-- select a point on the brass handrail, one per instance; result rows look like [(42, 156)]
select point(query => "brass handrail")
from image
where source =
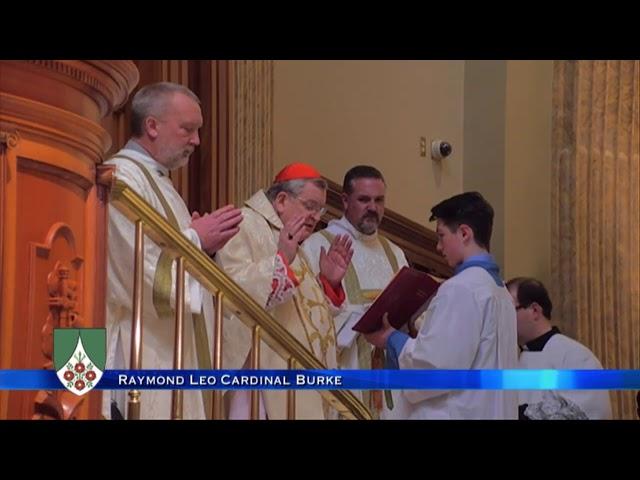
[(215, 280)]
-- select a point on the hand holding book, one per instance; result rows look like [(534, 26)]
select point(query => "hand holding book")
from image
[(404, 299)]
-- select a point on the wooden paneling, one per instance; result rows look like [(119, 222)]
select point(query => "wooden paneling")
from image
[(52, 238)]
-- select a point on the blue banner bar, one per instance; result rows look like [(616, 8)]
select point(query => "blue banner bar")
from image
[(337, 380)]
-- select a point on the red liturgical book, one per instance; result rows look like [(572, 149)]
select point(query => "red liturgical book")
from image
[(405, 297)]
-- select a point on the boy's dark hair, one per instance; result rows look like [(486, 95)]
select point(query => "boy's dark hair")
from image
[(469, 208), (530, 290), (360, 171)]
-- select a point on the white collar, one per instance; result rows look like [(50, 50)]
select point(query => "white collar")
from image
[(344, 224), (146, 158)]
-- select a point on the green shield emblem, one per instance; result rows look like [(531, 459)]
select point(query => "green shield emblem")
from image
[(79, 357)]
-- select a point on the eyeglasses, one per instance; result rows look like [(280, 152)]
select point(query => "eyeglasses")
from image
[(311, 206)]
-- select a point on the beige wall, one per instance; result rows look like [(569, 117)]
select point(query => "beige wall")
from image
[(527, 246), (496, 114), (337, 114), (484, 140), (507, 141)]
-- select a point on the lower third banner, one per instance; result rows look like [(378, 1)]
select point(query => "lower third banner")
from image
[(323, 380)]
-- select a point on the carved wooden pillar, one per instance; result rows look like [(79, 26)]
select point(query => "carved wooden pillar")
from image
[(595, 208), (52, 215), (251, 123)]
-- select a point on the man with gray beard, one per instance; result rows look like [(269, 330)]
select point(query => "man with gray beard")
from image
[(165, 123)]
